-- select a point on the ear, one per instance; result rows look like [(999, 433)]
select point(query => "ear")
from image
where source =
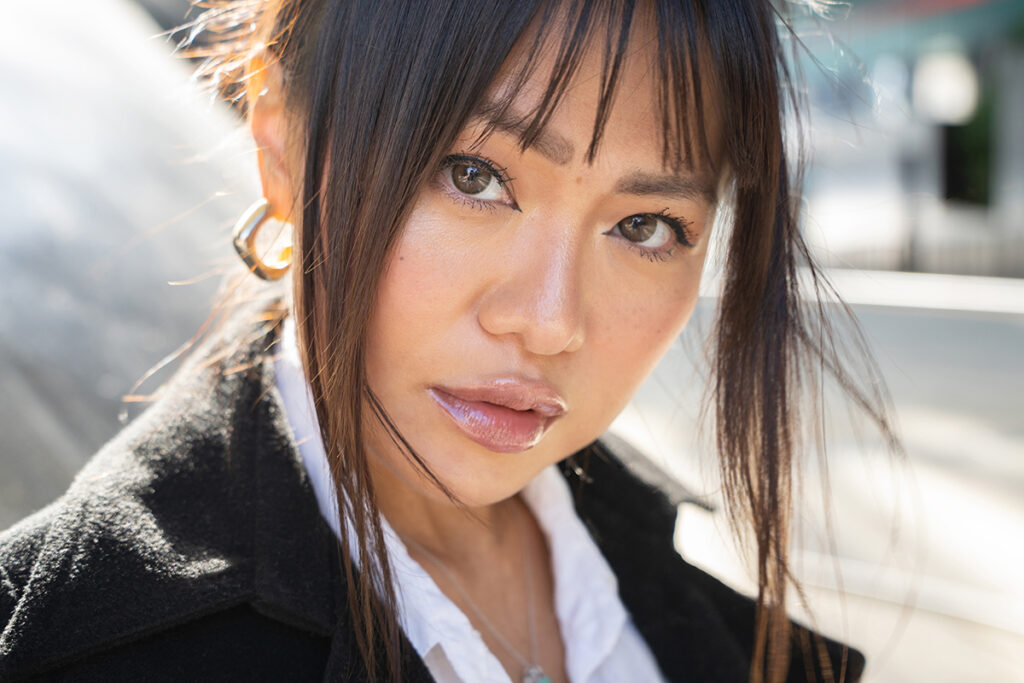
[(268, 120)]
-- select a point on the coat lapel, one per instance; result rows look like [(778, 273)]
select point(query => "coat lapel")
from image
[(632, 522)]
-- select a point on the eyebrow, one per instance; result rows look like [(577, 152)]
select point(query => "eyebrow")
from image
[(644, 184), (553, 146), (559, 150)]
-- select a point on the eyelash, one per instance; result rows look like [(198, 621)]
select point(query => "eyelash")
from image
[(679, 227), (677, 224), (500, 174)]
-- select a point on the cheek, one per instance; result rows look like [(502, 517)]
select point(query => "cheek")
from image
[(633, 328), (426, 299), (424, 288)]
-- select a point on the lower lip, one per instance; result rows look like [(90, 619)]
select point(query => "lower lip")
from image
[(494, 427)]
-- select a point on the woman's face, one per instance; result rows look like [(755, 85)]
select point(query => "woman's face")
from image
[(532, 292)]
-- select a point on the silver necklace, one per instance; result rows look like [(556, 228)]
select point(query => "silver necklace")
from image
[(532, 672)]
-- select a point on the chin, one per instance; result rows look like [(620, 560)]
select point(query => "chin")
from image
[(476, 477)]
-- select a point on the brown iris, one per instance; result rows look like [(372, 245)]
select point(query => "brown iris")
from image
[(638, 228), (470, 178)]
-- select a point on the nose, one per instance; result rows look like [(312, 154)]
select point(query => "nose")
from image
[(537, 296)]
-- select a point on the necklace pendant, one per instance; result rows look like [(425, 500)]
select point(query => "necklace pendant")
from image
[(535, 674)]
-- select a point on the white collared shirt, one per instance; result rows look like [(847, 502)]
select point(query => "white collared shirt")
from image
[(602, 644)]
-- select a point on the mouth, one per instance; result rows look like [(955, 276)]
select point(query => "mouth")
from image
[(505, 416)]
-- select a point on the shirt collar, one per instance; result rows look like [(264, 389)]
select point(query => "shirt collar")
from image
[(587, 602)]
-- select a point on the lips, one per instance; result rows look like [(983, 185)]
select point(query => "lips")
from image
[(505, 416)]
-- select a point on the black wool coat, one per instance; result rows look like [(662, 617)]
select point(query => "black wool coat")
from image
[(191, 548)]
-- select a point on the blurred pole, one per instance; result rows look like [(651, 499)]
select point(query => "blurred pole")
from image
[(1008, 186), (945, 91), (920, 171), (910, 172)]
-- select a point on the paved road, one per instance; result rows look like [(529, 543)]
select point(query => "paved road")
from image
[(930, 547)]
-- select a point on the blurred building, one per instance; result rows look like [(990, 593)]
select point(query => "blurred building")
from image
[(917, 128)]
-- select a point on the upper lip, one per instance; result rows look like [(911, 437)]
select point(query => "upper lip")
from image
[(517, 393)]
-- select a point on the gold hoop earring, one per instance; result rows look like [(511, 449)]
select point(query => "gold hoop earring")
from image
[(245, 233)]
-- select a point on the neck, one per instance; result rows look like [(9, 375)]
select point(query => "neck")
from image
[(464, 538)]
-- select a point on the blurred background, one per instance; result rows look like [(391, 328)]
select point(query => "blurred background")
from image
[(120, 183)]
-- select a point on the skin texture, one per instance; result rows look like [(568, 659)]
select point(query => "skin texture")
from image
[(533, 281), (546, 291)]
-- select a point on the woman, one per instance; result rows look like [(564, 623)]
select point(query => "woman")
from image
[(500, 213)]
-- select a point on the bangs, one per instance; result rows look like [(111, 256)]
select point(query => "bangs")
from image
[(674, 33)]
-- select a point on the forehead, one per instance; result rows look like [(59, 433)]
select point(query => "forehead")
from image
[(612, 93)]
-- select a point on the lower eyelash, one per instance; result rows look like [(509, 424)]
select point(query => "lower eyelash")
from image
[(655, 256), (466, 200)]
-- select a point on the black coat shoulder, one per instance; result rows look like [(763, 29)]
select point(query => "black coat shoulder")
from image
[(188, 540)]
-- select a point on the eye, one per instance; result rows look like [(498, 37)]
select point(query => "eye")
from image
[(653, 233), (476, 181)]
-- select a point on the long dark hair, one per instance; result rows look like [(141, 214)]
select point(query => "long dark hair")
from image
[(383, 88)]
